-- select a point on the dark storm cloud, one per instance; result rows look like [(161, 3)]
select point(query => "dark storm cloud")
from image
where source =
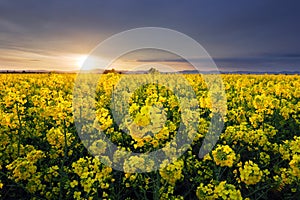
[(237, 34)]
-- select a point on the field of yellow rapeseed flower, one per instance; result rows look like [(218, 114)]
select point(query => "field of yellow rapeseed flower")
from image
[(257, 155)]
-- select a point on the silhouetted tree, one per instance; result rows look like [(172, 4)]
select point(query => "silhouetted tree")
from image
[(110, 71), (153, 71)]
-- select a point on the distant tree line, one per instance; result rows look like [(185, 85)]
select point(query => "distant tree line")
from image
[(111, 71)]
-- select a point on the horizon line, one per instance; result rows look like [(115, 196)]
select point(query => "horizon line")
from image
[(20, 71)]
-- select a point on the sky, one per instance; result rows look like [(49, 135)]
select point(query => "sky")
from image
[(257, 35)]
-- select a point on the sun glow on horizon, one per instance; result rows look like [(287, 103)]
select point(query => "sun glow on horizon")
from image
[(81, 59)]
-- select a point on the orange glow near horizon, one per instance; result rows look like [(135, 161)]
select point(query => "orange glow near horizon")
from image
[(18, 60)]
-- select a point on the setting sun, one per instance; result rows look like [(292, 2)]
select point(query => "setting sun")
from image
[(81, 59)]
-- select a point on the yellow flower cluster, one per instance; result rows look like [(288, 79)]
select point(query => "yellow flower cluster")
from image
[(264, 158), (223, 190), (92, 174), (24, 168), (250, 173), (224, 156), (98, 147), (58, 141), (295, 165), (104, 118), (172, 172), (137, 164), (246, 135), (290, 148)]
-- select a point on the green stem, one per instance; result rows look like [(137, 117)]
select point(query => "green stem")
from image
[(256, 190), (19, 130), (157, 187), (62, 173)]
